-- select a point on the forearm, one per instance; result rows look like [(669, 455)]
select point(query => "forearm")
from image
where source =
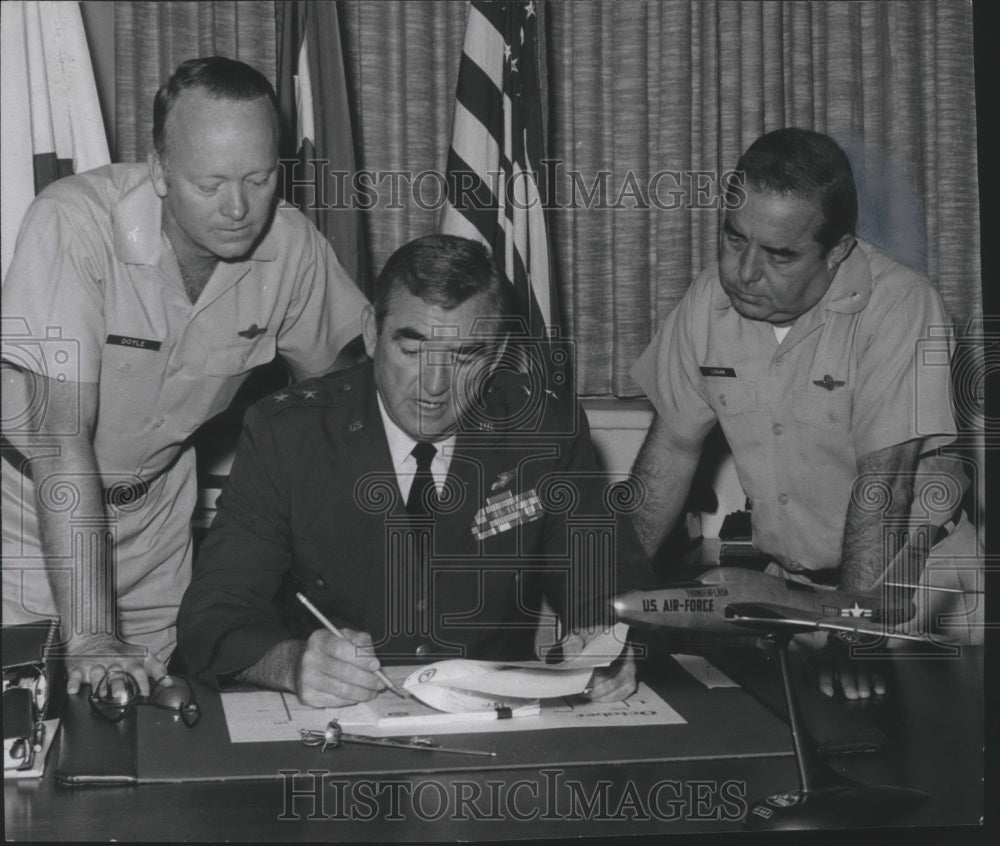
[(57, 440), (665, 467), (277, 669), (85, 602), (880, 505)]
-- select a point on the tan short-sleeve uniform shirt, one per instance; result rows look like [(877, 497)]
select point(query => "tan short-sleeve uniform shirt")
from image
[(94, 294), (852, 376)]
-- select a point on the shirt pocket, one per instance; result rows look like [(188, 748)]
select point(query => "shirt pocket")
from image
[(826, 410), (240, 357), (729, 397), (121, 362)]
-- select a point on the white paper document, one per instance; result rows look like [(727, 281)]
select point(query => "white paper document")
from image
[(260, 716)]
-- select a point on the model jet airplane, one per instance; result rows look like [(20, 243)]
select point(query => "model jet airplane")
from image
[(721, 600), (724, 597)]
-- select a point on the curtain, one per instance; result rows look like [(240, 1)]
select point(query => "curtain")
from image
[(402, 65), (152, 39), (650, 103)]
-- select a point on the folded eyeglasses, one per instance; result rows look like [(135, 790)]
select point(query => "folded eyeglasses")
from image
[(117, 693)]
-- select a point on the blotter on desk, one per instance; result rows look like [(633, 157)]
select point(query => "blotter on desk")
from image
[(720, 723)]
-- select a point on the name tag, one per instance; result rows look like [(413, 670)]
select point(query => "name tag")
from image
[(137, 343), (505, 511), (718, 371)]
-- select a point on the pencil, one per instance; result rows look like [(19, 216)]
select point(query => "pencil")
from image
[(330, 627)]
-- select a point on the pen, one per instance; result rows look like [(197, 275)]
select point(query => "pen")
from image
[(330, 627), (425, 720)]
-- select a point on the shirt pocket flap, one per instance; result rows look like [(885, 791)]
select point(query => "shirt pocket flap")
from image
[(823, 410), (730, 396), (129, 362), (239, 357)]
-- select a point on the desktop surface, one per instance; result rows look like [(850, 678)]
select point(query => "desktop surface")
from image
[(930, 726)]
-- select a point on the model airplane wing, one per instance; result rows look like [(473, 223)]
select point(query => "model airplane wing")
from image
[(763, 615)]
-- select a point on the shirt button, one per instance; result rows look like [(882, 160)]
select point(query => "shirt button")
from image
[(777, 428), (175, 369), (423, 649), (783, 498), (346, 387), (780, 360), (722, 399), (158, 423), (320, 584)]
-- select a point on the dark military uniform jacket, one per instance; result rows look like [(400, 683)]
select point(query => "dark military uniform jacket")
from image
[(312, 505)]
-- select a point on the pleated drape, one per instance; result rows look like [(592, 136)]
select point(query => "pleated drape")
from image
[(151, 39), (402, 63), (649, 103), (643, 91)]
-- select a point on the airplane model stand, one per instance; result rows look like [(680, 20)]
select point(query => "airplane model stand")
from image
[(825, 798)]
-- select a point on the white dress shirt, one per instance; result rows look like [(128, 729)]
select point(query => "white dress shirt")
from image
[(401, 448)]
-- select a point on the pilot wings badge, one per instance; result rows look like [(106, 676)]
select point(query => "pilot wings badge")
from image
[(828, 382)]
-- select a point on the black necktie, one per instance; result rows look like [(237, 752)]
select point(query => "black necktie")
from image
[(422, 491)]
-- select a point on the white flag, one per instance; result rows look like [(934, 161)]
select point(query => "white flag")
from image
[(52, 122)]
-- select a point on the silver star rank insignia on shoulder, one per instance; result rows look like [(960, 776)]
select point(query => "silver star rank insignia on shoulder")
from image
[(828, 382)]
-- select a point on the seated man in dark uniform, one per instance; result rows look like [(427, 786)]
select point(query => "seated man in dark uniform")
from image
[(430, 503)]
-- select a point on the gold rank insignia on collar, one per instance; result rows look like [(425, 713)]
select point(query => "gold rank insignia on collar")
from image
[(828, 382)]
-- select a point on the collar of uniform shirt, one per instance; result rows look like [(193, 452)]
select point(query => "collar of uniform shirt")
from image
[(400, 448)]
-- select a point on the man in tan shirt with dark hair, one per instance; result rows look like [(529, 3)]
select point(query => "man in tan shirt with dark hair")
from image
[(805, 344)]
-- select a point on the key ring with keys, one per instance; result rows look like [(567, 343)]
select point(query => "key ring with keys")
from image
[(333, 736)]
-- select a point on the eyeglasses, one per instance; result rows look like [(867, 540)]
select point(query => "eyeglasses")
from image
[(117, 692)]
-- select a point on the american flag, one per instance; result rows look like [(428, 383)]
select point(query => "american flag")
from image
[(496, 148)]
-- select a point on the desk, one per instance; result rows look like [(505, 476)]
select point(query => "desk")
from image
[(932, 719)]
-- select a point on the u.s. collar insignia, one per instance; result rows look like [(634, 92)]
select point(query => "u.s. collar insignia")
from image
[(828, 382), (503, 480), (356, 425)]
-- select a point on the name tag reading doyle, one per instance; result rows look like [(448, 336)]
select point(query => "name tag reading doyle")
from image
[(136, 343)]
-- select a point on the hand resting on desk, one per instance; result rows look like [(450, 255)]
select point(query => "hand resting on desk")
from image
[(612, 683), (615, 682), (831, 660), (84, 668)]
